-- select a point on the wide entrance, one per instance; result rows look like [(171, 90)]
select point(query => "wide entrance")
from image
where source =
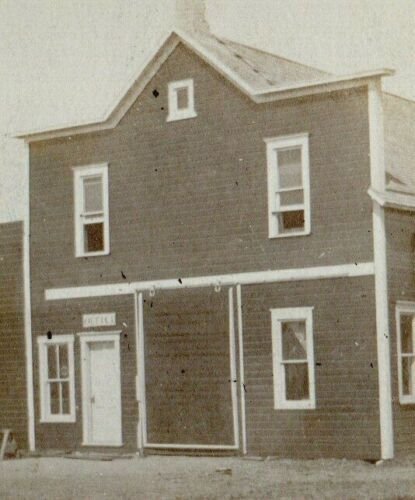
[(101, 390), (190, 370)]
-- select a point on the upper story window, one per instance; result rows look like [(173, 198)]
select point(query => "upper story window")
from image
[(181, 100), (288, 186), (91, 210), (405, 329), (57, 379), (293, 358)]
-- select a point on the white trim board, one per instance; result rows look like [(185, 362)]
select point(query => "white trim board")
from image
[(251, 278), (378, 178), (390, 199)]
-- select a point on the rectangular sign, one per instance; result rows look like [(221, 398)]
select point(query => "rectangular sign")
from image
[(94, 320)]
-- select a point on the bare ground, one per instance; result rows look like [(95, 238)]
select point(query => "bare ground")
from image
[(217, 478)]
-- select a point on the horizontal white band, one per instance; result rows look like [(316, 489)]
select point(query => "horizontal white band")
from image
[(252, 278)]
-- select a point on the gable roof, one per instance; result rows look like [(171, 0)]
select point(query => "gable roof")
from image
[(260, 75)]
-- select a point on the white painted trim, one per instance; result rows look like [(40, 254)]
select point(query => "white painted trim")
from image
[(136, 298), (165, 47), (241, 369), (233, 370), (378, 179), (252, 278), (85, 339), (142, 371), (80, 173), (28, 339), (192, 446), (175, 113), (401, 309), (389, 199), (277, 317), (273, 145), (45, 415)]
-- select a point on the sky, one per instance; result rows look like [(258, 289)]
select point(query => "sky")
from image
[(64, 61)]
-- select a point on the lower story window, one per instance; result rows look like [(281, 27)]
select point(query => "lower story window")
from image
[(405, 327), (293, 358), (56, 376)]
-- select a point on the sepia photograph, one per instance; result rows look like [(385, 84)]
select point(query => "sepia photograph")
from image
[(207, 249)]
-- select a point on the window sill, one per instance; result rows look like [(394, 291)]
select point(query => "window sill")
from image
[(62, 420), (289, 235), (406, 402), (184, 116), (93, 254), (296, 405)]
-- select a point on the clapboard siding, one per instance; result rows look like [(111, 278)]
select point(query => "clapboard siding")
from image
[(189, 198), (345, 422), (66, 318), (13, 409), (400, 228)]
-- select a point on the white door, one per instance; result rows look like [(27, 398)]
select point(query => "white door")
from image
[(101, 390)]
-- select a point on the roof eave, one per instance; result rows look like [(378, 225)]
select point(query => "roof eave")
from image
[(389, 199), (125, 99)]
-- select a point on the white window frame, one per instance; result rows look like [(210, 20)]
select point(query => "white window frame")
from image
[(175, 113), (45, 413), (404, 308), (273, 144), (81, 173), (277, 317)]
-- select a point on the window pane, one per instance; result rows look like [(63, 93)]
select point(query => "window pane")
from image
[(289, 168), (292, 198), (291, 221), (406, 334), (296, 381), (182, 98), (408, 375), (65, 398), (63, 361), (94, 237), (294, 340), (93, 194), (54, 398), (52, 361)]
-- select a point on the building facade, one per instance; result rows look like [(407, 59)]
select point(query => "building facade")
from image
[(209, 271)]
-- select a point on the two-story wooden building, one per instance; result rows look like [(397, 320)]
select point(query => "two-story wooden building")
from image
[(217, 263)]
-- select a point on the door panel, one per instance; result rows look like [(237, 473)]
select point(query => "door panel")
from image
[(188, 388), (102, 397)]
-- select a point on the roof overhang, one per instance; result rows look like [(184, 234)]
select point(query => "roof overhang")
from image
[(151, 65), (392, 199)]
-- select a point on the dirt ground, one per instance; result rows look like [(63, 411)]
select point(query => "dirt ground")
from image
[(220, 478)]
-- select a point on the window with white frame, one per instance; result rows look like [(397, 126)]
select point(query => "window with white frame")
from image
[(405, 328), (288, 186), (56, 377), (181, 100), (91, 210), (293, 358)]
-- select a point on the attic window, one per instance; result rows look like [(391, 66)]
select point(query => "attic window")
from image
[(181, 100)]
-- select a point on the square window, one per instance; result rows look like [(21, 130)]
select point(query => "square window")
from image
[(91, 210), (405, 328), (288, 186), (57, 379), (181, 100), (293, 358)]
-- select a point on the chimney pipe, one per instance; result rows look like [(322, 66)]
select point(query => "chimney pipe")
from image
[(191, 15)]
